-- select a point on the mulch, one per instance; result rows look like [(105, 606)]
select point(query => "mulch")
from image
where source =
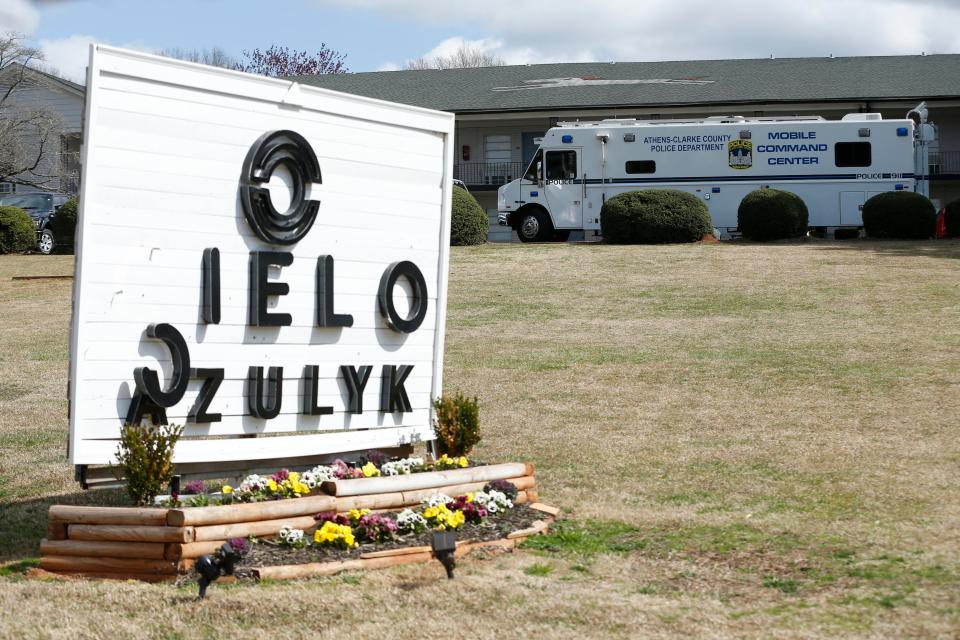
[(265, 553)]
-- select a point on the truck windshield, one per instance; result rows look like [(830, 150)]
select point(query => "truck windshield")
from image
[(531, 173), (28, 202)]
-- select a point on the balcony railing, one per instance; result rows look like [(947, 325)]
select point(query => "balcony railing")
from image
[(487, 174), (944, 163)]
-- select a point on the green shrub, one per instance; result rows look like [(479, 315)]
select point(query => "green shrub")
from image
[(468, 221), (64, 223), (18, 233), (145, 459), (654, 216), (771, 214), (952, 219), (899, 214), (457, 424)]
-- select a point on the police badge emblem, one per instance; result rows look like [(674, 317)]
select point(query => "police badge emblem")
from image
[(740, 154)]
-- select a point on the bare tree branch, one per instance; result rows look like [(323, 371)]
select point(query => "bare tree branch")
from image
[(465, 57), (214, 56), (28, 133)]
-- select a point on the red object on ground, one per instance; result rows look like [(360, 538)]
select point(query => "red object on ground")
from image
[(941, 224)]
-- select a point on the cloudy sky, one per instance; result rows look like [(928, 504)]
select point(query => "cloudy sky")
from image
[(384, 34)]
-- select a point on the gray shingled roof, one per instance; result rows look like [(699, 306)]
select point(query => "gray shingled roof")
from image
[(680, 83)]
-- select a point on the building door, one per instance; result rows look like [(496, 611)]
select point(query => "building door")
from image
[(564, 188), (529, 145)]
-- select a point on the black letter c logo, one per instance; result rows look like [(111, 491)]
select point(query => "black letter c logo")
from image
[(270, 151)]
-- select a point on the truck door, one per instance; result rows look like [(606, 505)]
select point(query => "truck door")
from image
[(851, 207), (564, 188)]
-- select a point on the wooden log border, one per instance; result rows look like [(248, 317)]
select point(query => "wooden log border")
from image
[(427, 480)]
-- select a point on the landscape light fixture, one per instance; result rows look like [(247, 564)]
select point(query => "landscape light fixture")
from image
[(209, 568), (444, 546)]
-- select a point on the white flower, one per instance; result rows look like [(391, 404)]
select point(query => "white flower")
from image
[(252, 483), (400, 467), (410, 520), (493, 501), (436, 500), (290, 536)]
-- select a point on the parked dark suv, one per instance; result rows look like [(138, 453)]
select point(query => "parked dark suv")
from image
[(41, 207)]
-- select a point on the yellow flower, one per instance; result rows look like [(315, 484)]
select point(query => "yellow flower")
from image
[(431, 512), (469, 497), (272, 485), (370, 470), (356, 514), (226, 489), (293, 477), (463, 461)]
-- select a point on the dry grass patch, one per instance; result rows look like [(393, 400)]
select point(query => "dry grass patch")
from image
[(751, 440)]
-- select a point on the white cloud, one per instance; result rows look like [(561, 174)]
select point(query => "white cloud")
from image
[(573, 30), (19, 16), (68, 57), (389, 66)]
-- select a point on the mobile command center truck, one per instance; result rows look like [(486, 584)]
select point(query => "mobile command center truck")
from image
[(834, 166)]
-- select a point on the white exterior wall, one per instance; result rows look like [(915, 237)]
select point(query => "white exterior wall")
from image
[(34, 92)]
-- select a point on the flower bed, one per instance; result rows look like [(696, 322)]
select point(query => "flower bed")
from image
[(362, 539), (277, 560), (148, 543)]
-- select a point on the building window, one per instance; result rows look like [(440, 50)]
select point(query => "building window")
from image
[(641, 166), (7, 187), (496, 149), (70, 163), (852, 154), (561, 165)]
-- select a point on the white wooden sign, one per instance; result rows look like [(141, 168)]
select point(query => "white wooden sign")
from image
[(255, 258)]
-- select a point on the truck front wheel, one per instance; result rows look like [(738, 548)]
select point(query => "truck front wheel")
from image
[(45, 242), (534, 226)]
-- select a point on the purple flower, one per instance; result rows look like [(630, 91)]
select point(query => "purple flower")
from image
[(240, 546), (280, 476), (376, 457), (331, 516), (503, 486), (194, 487), (375, 527)]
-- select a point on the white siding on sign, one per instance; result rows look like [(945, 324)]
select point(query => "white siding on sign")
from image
[(163, 157)]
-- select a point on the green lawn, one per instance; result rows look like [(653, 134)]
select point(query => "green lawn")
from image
[(749, 440)]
